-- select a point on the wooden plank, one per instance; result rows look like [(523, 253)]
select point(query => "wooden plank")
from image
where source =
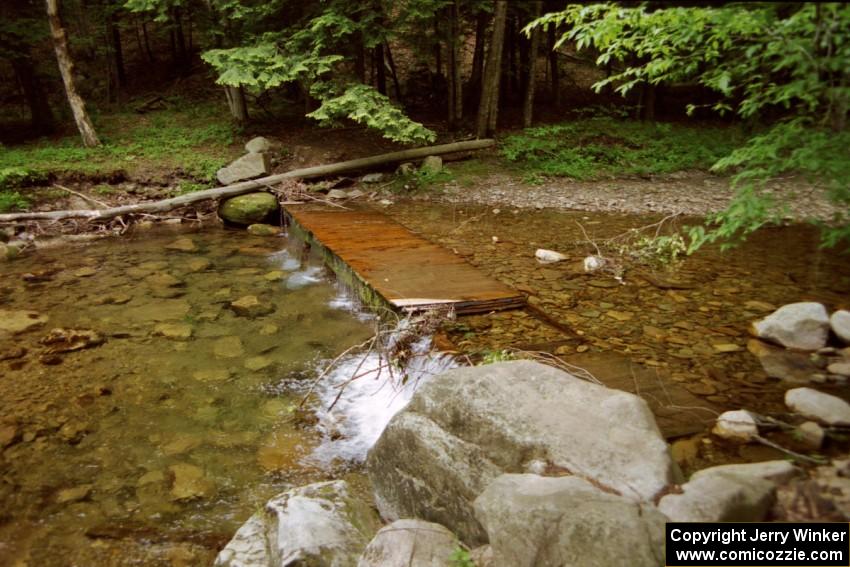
[(406, 270)]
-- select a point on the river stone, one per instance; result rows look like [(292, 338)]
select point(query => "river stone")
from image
[(810, 434), (257, 145), (410, 543), (248, 209), (318, 525), (198, 264), (775, 471), (533, 520), (465, 427), (373, 177), (260, 229), (184, 244), (75, 494), (13, 322), (176, 331), (801, 326), (783, 364), (842, 368), (251, 306), (720, 497), (66, 340), (432, 164), (736, 425), (840, 323), (821, 407), (228, 347), (189, 482), (247, 167), (549, 256)]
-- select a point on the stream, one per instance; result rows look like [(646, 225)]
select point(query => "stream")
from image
[(181, 417)]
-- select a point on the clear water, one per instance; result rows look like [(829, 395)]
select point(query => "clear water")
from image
[(150, 449)]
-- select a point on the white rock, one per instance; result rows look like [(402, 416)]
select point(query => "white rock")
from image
[(549, 256), (736, 425), (432, 164), (811, 435), (818, 406), (373, 178), (593, 263), (775, 471), (410, 543), (719, 497), (536, 521), (841, 368), (802, 326), (246, 167), (258, 145), (840, 323)]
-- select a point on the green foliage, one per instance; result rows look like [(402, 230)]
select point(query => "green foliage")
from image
[(365, 105), (661, 250), (12, 177), (460, 558), (598, 147), (493, 356), (12, 201), (760, 59), (196, 142)]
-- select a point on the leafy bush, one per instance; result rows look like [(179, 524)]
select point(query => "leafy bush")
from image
[(14, 177), (11, 201), (598, 147)]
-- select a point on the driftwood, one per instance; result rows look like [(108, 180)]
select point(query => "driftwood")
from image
[(249, 186)]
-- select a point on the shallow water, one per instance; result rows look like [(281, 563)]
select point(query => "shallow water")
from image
[(152, 449)]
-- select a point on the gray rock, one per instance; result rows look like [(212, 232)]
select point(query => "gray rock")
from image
[(802, 326), (842, 368), (467, 426), (840, 323), (13, 322), (320, 525), (549, 256), (258, 145), (736, 425), (784, 364), (406, 168), (373, 178), (249, 209), (410, 543), (818, 406), (775, 471), (720, 497), (811, 435), (432, 164), (248, 166), (547, 521), (337, 194)]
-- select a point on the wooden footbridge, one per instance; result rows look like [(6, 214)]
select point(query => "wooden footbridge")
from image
[(406, 270)]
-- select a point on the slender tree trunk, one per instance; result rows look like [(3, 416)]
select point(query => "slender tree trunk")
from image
[(66, 68), (554, 76), (183, 62), (359, 58), (380, 68), (237, 104), (117, 51), (455, 88), (488, 110), (151, 58), (438, 48), (393, 72), (41, 117), (474, 88), (531, 80)]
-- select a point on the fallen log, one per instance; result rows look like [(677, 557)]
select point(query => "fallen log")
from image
[(249, 186)]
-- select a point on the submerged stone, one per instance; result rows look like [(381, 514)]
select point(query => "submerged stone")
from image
[(13, 322)]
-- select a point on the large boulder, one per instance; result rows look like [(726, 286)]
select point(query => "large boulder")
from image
[(802, 326), (410, 543), (467, 426), (549, 521), (249, 209), (720, 498), (248, 166), (320, 525)]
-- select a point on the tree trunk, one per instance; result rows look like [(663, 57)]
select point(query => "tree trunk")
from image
[(183, 62), (438, 48), (117, 52), (380, 69), (41, 117), (474, 89), (237, 104), (393, 72), (554, 76), (531, 80), (488, 110), (151, 58), (455, 88), (359, 58), (66, 68)]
